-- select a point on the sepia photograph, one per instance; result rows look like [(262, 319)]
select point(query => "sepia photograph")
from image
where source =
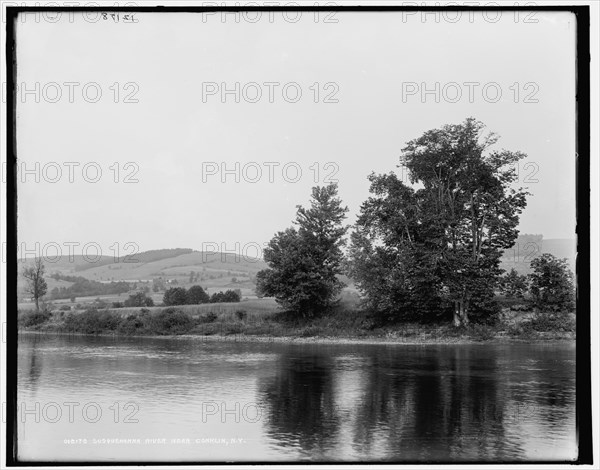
[(299, 233)]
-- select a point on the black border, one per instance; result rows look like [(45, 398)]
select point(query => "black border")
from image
[(583, 343)]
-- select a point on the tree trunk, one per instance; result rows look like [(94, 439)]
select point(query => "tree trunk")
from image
[(37, 304), (456, 314), (464, 315), (461, 316)]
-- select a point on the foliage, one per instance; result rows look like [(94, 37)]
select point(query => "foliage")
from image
[(29, 319), (227, 296), (139, 299), (209, 317), (436, 244), (241, 314), (92, 321), (551, 321), (175, 296), (135, 324), (513, 284), (197, 295), (83, 287), (171, 321), (305, 263), (551, 283)]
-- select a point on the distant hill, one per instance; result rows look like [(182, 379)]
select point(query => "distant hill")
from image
[(181, 267), (530, 246), (144, 257)]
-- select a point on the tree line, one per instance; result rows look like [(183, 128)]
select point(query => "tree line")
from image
[(425, 249), (197, 295), (83, 287)]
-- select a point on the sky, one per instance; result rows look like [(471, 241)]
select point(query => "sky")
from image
[(126, 128)]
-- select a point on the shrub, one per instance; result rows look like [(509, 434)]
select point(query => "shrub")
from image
[(33, 318), (171, 322), (481, 332), (232, 329), (549, 322), (517, 330), (309, 331), (92, 321), (241, 314), (134, 324), (117, 305), (209, 317)]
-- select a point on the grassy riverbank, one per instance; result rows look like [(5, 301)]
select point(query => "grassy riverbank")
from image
[(258, 321)]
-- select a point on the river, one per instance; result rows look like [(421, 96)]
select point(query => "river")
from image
[(154, 399)]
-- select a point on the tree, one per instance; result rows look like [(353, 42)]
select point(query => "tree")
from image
[(197, 295), (139, 299), (158, 284), (175, 296), (514, 284), (551, 283), (227, 296), (36, 284), (304, 263), (439, 240)]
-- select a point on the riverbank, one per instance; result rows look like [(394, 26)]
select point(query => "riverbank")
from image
[(240, 338), (340, 327)]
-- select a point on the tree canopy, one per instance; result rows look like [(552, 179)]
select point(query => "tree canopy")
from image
[(305, 262), (552, 283), (437, 242)]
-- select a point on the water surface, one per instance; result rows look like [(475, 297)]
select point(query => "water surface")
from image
[(106, 399)]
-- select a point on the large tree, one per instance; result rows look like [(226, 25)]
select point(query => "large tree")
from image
[(305, 262), (36, 284), (441, 236)]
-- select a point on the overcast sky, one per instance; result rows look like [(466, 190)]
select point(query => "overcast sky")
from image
[(369, 70)]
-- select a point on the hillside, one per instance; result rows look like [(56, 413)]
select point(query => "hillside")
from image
[(213, 271)]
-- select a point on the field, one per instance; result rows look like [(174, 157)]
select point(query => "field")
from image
[(255, 309)]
